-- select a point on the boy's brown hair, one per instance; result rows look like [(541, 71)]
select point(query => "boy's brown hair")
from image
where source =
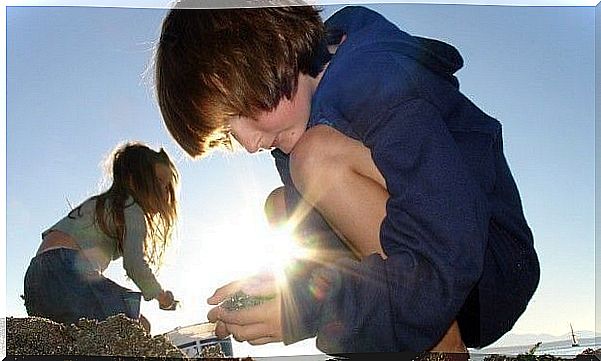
[(211, 64)]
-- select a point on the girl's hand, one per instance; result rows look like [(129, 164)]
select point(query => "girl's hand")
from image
[(166, 300), (258, 324)]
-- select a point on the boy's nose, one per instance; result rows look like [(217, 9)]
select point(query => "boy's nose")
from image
[(251, 145), (250, 142)]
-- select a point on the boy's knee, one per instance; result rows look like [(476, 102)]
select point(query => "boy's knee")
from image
[(314, 158), (275, 207)]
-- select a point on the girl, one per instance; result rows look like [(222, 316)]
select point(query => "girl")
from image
[(134, 218)]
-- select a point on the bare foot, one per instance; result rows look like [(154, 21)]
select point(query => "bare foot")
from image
[(452, 344), (145, 323)]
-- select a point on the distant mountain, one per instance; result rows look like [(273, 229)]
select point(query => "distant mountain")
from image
[(513, 339), (562, 348)]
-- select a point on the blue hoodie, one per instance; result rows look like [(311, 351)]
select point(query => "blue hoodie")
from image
[(457, 243)]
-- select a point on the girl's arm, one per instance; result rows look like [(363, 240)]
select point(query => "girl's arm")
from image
[(134, 262)]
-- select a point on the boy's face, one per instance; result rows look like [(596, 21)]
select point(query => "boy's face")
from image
[(280, 128)]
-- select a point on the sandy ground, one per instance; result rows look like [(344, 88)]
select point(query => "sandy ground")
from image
[(121, 336), (116, 336)]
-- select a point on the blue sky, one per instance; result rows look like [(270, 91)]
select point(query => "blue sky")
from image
[(76, 86)]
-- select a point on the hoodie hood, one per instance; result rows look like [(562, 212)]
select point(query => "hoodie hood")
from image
[(355, 21)]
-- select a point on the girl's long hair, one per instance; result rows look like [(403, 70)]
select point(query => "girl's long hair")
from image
[(134, 174)]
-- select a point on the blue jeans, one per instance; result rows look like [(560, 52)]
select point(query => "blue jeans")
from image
[(63, 286)]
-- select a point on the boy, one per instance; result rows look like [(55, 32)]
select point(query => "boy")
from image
[(370, 128)]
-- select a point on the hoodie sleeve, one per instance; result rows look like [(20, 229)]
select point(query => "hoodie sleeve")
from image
[(436, 225)]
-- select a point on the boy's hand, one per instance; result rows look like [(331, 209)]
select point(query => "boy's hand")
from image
[(259, 324)]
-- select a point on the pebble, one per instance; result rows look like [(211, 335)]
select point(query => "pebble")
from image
[(211, 351), (241, 300)]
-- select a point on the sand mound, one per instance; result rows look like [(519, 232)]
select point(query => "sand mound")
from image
[(116, 336)]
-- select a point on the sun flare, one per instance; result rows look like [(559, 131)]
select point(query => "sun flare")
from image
[(253, 246)]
